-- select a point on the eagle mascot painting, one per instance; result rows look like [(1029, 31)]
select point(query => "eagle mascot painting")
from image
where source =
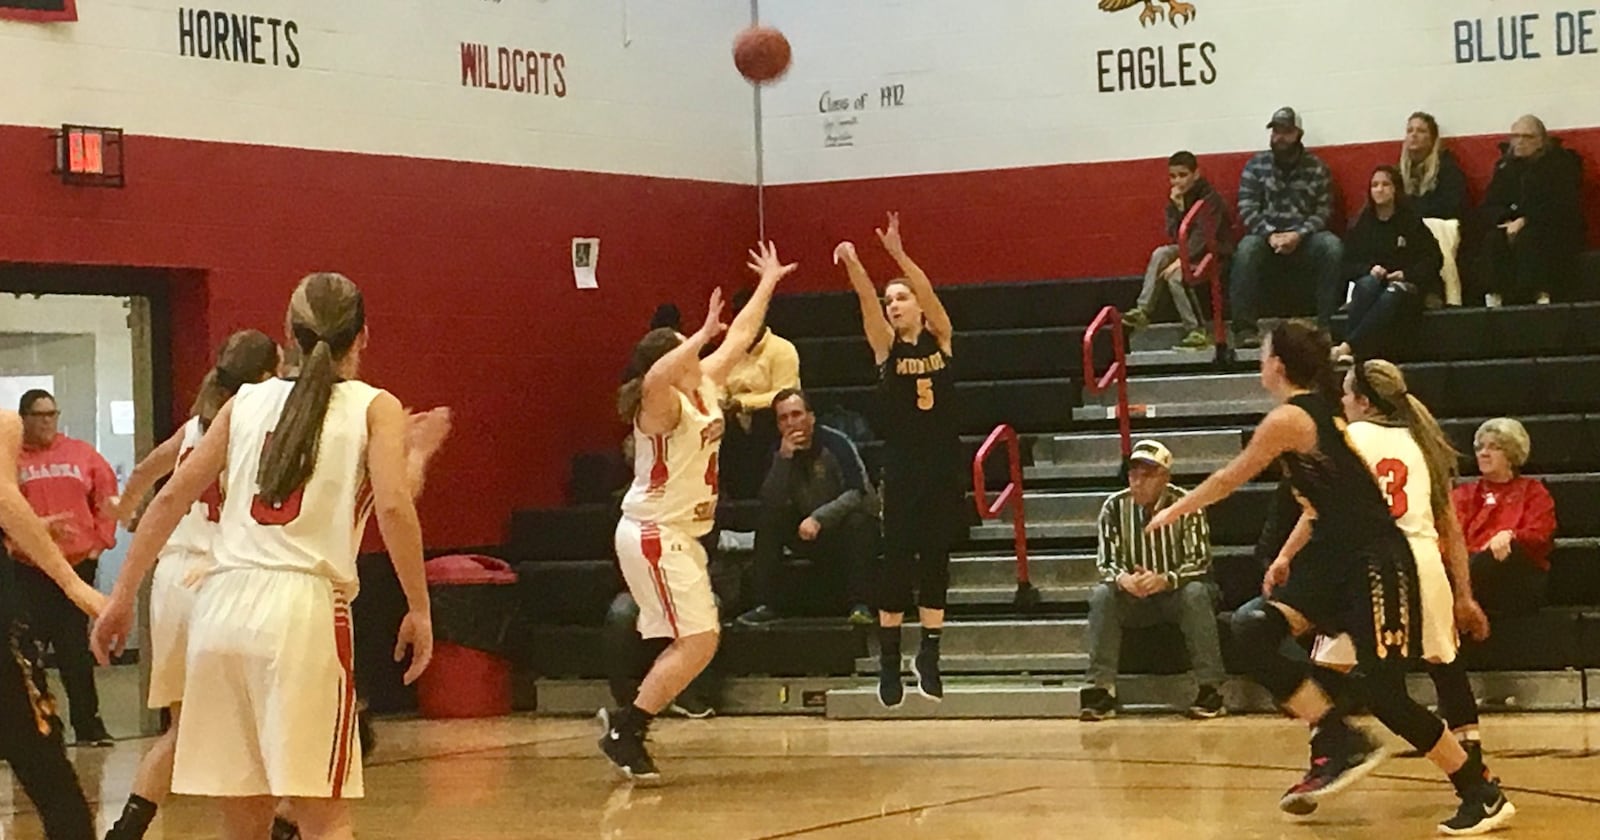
[(1176, 10)]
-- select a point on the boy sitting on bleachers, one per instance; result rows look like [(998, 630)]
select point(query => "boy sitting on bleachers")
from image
[(1164, 275)]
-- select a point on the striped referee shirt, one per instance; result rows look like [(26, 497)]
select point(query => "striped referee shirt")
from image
[(1181, 552)]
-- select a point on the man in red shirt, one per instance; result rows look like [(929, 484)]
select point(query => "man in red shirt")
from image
[(72, 488)]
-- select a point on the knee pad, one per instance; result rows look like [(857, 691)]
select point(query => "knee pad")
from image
[(1259, 628)]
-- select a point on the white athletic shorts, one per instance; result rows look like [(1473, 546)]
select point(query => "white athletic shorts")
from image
[(665, 569), (269, 706), (1439, 638), (173, 588)]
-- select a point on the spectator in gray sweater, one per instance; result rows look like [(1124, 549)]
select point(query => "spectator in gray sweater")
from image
[(1287, 253), (816, 502), (1152, 578)]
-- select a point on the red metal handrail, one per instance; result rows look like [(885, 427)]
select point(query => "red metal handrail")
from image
[(1208, 270), (1010, 496), (1118, 371)]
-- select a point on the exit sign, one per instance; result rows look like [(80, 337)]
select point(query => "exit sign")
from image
[(89, 156), (39, 10)]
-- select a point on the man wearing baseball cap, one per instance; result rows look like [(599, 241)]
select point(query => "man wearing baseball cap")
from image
[(1155, 578), (1288, 255)]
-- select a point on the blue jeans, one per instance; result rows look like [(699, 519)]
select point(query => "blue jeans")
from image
[(1379, 313), (1311, 271)]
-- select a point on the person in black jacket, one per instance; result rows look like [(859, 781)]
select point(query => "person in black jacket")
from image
[(1395, 261), (817, 502), (1534, 214), (1433, 179)]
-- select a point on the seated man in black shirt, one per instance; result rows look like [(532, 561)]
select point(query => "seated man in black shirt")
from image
[(816, 501)]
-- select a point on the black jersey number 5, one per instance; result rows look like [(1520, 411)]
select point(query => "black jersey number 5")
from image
[(925, 393)]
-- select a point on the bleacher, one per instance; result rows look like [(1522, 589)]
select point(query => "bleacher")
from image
[(1019, 351)]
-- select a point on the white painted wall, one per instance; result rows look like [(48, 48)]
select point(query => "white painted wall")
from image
[(1008, 83), (650, 87)]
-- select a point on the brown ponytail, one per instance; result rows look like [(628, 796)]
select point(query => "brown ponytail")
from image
[(247, 356), (655, 344), (326, 315), (1382, 384)]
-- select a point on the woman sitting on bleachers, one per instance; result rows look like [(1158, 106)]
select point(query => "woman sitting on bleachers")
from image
[(1509, 522), (1438, 190), (1395, 261)]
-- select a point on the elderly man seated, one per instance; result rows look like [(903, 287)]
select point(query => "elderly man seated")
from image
[(1152, 578), (1534, 214)]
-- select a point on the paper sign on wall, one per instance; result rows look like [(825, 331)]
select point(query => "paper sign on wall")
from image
[(122, 416), (585, 255)]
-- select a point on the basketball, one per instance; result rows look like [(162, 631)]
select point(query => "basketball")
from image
[(761, 53)]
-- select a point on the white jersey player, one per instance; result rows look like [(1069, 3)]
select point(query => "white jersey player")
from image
[(247, 356), (671, 400), (1400, 467), (270, 651)]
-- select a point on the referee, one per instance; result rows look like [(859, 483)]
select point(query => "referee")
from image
[(1152, 578)]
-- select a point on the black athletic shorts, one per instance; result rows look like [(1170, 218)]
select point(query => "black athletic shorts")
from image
[(1369, 592)]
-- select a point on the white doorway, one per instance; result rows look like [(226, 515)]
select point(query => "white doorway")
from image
[(81, 349)]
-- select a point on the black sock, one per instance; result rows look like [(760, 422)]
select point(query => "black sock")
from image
[(1471, 774), (283, 829), (1329, 732), (135, 819), (930, 639), (632, 719), (889, 645)]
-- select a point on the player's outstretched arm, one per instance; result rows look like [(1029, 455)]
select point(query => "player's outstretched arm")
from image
[(880, 335)]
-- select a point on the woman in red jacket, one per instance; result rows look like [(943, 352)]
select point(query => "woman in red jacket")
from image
[(1509, 521)]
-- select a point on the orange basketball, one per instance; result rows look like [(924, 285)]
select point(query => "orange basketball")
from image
[(761, 53)]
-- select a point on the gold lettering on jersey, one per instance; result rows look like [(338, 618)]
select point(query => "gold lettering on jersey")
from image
[(712, 432), (705, 511), (920, 367)]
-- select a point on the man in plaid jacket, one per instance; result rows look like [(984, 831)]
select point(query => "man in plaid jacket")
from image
[(1288, 254)]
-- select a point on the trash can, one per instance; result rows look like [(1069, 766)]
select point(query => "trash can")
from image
[(473, 601)]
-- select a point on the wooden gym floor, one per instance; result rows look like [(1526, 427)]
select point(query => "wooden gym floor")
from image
[(1135, 777)]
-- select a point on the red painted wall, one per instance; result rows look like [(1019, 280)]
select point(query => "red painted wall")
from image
[(1071, 220), (465, 267)]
